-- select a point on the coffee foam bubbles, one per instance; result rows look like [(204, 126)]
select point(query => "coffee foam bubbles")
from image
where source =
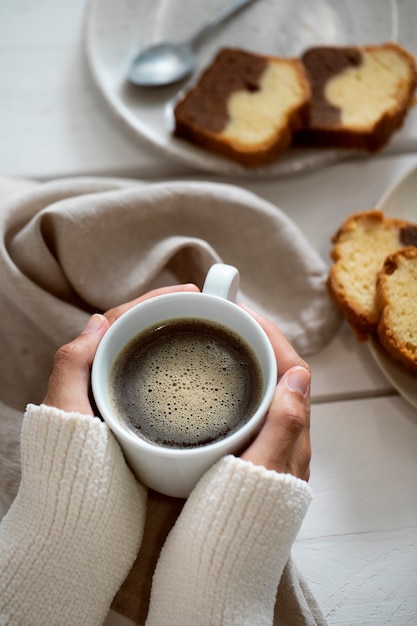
[(186, 384)]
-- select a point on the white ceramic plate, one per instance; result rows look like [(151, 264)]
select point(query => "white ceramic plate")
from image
[(399, 201), (115, 30)]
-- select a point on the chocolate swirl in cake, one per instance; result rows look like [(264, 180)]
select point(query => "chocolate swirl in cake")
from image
[(408, 236), (237, 72), (321, 67)]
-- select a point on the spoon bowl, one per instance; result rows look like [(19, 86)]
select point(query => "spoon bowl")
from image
[(169, 62), (162, 64)]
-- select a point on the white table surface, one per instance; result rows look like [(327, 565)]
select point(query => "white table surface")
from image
[(358, 544)]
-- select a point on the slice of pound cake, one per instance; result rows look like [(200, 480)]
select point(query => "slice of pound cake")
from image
[(396, 295), (245, 106), (360, 248), (360, 95)]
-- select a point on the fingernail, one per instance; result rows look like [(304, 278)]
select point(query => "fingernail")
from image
[(298, 380), (93, 325)]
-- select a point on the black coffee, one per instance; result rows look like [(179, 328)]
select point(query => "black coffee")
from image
[(186, 383)]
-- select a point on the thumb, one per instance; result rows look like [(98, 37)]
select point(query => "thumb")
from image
[(283, 443), (69, 383)]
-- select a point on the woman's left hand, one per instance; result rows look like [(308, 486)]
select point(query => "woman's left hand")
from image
[(69, 384)]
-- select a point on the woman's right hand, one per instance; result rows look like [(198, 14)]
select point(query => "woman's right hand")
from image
[(283, 444)]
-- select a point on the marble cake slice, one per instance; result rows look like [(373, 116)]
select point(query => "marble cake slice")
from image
[(245, 106), (360, 95)]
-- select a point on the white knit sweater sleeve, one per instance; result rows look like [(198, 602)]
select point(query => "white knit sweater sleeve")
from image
[(74, 529), (224, 558)]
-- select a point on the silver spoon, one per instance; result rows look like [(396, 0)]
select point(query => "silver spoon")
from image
[(169, 62)]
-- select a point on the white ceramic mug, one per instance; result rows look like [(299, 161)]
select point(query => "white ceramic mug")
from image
[(175, 471)]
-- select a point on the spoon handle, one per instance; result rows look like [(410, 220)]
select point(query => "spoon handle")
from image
[(217, 19)]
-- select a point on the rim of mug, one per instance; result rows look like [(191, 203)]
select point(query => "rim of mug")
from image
[(100, 390)]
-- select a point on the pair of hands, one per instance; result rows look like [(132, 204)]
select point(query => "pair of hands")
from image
[(283, 443)]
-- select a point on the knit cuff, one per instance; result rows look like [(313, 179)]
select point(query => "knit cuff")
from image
[(74, 529), (232, 540)]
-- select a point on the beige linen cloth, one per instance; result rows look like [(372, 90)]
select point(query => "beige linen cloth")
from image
[(74, 246)]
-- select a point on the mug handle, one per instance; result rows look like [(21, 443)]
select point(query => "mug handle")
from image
[(223, 281)]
